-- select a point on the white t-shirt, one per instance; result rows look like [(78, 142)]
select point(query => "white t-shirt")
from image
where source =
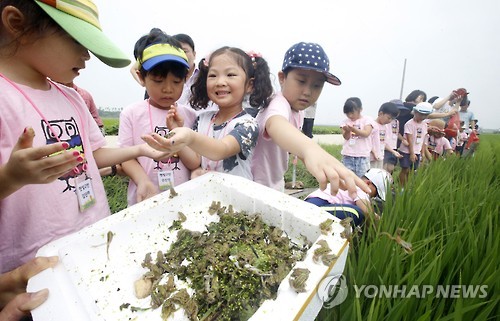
[(244, 128)]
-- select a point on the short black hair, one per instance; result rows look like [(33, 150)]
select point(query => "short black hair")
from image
[(352, 104), (389, 108), (432, 99), (182, 37), (465, 102), (414, 95)]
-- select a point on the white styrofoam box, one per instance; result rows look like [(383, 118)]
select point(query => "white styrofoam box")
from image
[(85, 285)]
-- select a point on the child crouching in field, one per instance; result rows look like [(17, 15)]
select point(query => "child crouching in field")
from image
[(358, 208), (436, 144)]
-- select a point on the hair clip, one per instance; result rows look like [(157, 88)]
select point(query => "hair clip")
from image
[(253, 55)]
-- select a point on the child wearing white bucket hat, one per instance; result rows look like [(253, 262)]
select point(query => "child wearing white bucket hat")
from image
[(414, 132), (342, 205)]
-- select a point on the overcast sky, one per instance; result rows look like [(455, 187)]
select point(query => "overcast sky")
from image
[(447, 44)]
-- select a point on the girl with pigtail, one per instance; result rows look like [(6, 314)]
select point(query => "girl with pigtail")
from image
[(223, 138)]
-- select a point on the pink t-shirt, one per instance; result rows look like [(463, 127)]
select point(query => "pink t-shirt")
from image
[(462, 138), (89, 101), (342, 196), (418, 132), (378, 141), (391, 134), (438, 145), (358, 146), (39, 213), (140, 118), (270, 162)]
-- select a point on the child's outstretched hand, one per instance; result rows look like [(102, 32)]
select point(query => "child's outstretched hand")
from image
[(327, 169), (153, 153), (176, 139), (35, 165), (145, 190), (397, 154)]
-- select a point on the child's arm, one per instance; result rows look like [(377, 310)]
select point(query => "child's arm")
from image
[(365, 132), (35, 165), (174, 119), (392, 151), (447, 147), (323, 166), (107, 156), (145, 187), (346, 132), (426, 154), (442, 115), (364, 205), (134, 71), (402, 139), (213, 149), (376, 151), (189, 158), (409, 138)]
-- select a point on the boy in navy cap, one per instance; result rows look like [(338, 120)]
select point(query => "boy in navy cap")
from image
[(305, 70)]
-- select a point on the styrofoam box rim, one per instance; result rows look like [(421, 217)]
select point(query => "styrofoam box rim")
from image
[(85, 285)]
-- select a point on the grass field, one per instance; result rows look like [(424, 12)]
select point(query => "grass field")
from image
[(439, 233)]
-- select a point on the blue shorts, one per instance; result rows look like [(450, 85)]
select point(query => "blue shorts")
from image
[(359, 165), (389, 158), (406, 163), (339, 210)]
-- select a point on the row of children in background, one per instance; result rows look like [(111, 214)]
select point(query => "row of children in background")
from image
[(378, 143)]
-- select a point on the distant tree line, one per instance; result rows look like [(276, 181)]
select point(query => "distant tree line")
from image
[(109, 113)]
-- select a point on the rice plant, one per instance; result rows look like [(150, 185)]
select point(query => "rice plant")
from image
[(448, 215)]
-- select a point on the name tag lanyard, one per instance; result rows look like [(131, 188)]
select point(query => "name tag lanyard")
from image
[(88, 199), (165, 178), (297, 121)]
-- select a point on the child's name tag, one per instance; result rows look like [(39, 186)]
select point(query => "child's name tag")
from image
[(419, 140), (165, 180), (85, 194), (352, 141)]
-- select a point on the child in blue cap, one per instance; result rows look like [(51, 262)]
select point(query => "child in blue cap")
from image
[(304, 72)]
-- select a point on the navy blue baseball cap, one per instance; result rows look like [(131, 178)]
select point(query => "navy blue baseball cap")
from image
[(308, 55)]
